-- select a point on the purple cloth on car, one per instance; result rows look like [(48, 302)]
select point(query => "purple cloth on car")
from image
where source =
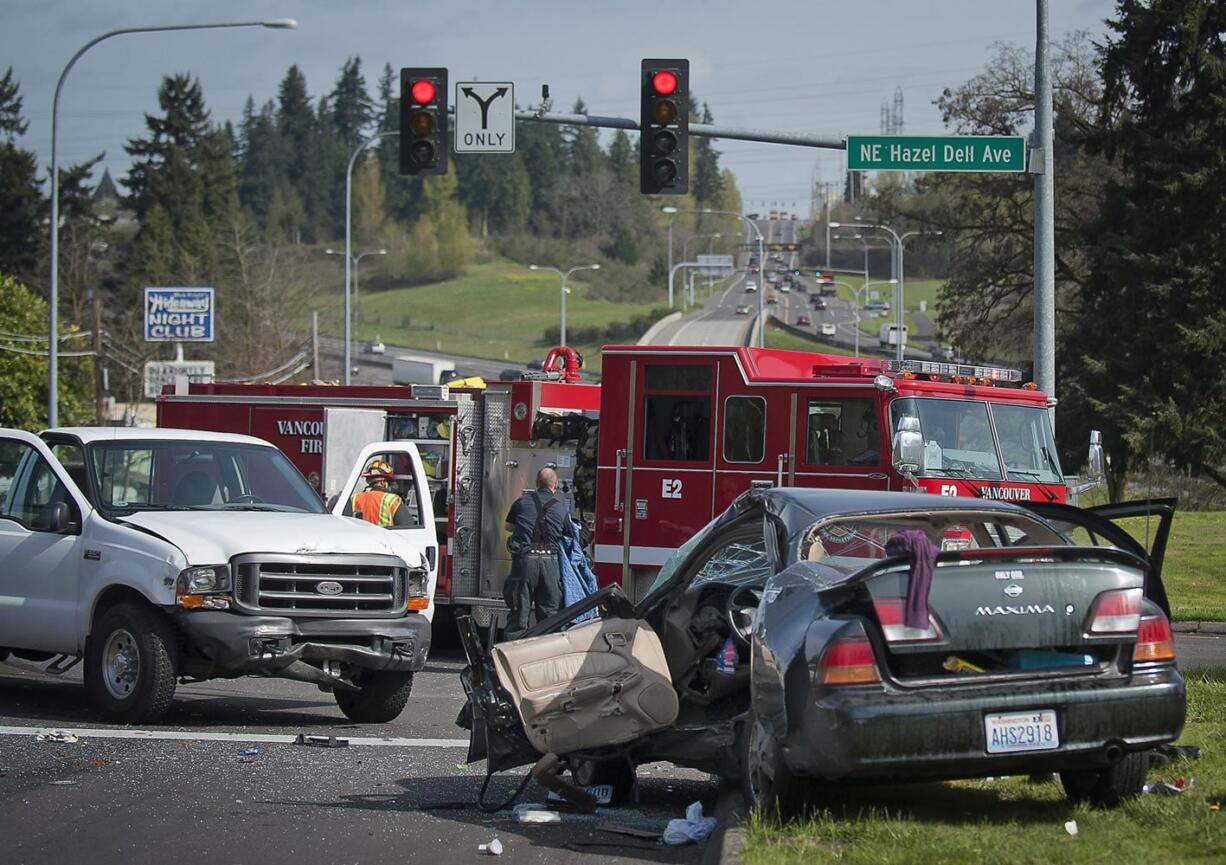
[(922, 552)]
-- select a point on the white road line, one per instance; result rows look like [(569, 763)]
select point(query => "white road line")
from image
[(215, 736)]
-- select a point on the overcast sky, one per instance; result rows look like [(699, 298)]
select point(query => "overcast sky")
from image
[(804, 65)]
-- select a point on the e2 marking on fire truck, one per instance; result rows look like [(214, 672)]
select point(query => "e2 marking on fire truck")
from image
[(670, 488)]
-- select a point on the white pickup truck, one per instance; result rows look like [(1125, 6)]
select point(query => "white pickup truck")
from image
[(162, 556)]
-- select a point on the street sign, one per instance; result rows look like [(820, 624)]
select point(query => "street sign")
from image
[(484, 117), (163, 372), (715, 265), (179, 315), (936, 153)]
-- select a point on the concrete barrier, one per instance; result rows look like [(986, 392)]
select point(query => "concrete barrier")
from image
[(654, 330)]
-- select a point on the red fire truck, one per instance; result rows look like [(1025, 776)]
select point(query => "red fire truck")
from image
[(668, 439)]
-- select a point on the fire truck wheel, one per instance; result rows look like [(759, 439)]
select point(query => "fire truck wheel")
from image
[(381, 699), (130, 664)]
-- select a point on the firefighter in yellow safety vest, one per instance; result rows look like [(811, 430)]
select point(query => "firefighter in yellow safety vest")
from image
[(377, 504)]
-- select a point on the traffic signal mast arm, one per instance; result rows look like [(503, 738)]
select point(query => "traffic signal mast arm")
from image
[(702, 130)]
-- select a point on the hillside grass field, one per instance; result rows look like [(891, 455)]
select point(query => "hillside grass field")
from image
[(498, 310)]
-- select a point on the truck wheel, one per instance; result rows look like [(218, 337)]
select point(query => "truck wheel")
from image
[(381, 699), (130, 664), (1110, 787), (767, 783)]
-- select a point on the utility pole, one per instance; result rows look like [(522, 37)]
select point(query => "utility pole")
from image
[(1044, 217), (99, 378), (315, 345)]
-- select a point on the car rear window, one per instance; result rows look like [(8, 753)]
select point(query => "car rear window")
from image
[(850, 544)]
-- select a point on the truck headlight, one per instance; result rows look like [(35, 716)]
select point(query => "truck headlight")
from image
[(206, 580), (415, 590)]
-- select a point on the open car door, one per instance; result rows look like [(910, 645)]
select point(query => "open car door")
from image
[(413, 537), (1099, 526)]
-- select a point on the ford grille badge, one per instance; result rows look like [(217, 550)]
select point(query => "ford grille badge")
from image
[(329, 587)]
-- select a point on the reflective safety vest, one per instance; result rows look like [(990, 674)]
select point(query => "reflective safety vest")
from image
[(377, 506)]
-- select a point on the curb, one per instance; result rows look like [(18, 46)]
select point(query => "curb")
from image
[(726, 846), (1199, 627), (646, 338)]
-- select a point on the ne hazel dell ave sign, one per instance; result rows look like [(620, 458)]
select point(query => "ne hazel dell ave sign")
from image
[(936, 153)]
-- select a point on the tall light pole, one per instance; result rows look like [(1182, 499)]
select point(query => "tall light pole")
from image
[(358, 151), (565, 290), (53, 294), (685, 256), (898, 268), (857, 307), (357, 258)]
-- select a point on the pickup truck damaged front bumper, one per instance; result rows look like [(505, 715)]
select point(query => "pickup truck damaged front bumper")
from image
[(238, 644)]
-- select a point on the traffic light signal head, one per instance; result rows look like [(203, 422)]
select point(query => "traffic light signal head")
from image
[(664, 125), (423, 121)]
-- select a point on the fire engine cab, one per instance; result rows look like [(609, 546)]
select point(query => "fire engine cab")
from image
[(665, 442)]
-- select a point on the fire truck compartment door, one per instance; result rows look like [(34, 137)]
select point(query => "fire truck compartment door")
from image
[(346, 432)]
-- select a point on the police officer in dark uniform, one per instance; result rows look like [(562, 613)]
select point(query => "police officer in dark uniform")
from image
[(537, 521)]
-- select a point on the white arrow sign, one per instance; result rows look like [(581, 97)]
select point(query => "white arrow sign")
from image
[(484, 117)]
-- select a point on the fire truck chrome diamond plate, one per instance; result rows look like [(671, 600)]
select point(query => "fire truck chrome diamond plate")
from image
[(466, 555), (320, 584)]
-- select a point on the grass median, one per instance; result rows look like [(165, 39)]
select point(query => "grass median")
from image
[(1010, 821)]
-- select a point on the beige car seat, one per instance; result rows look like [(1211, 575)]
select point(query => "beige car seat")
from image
[(601, 683)]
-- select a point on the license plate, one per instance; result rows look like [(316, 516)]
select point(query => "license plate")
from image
[(1021, 731)]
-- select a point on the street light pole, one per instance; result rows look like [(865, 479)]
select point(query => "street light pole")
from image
[(564, 290), (53, 293), (356, 259), (358, 151)]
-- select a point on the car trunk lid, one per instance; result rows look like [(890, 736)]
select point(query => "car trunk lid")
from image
[(1004, 611)]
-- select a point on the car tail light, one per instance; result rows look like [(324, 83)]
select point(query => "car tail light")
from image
[(1154, 640), (849, 661), (890, 613), (1116, 612)]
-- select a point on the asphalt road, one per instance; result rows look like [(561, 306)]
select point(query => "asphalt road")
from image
[(194, 797)]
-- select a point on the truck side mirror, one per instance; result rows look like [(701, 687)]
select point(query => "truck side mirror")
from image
[(59, 518), (1094, 460), (908, 450)]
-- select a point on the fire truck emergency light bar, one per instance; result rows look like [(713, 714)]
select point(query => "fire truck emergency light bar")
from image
[(948, 370)]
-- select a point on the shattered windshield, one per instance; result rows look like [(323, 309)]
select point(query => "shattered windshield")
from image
[(156, 475)]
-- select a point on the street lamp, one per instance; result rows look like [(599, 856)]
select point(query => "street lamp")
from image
[(356, 259), (358, 151), (858, 306), (565, 291), (757, 232), (53, 294)]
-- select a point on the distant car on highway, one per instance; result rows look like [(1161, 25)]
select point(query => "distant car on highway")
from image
[(804, 321), (754, 268), (878, 305), (772, 300), (827, 328), (819, 302), (742, 309), (511, 375), (945, 352), (376, 347), (751, 286)]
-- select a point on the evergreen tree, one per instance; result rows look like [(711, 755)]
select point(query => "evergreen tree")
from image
[(184, 169), (623, 159), (1151, 320), (21, 201), (543, 152), (351, 108), (707, 179), (303, 139)]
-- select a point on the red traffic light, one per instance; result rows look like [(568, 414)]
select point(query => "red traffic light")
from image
[(422, 92), (664, 82)]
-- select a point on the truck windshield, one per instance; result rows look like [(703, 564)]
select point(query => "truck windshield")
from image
[(959, 441), (154, 475)]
